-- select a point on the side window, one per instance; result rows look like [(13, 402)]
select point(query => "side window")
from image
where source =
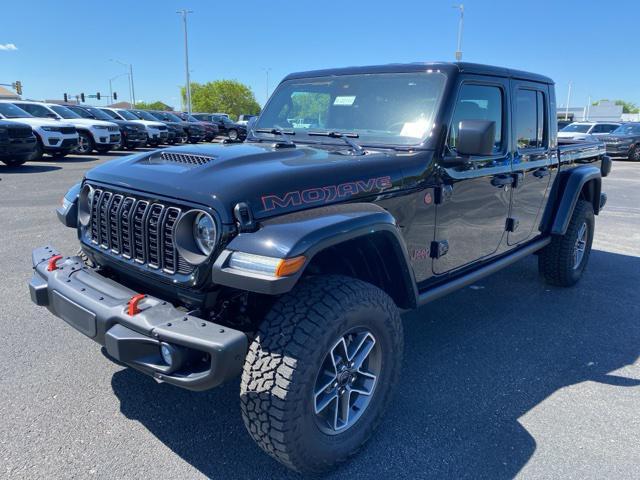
[(608, 128), (530, 119), (478, 102), (36, 110)]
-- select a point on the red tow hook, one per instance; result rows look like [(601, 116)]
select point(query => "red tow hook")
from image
[(53, 263), (133, 304)]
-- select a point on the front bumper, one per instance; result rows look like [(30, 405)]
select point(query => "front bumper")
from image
[(618, 150), (99, 308), (61, 145), (18, 148)]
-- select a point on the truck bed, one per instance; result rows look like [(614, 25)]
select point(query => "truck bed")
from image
[(570, 151)]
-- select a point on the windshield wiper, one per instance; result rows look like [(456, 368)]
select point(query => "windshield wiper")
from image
[(281, 133), (346, 136)]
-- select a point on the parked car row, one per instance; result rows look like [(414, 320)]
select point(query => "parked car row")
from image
[(620, 139), (29, 129)]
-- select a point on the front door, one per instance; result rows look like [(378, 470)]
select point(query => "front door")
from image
[(472, 213), (532, 158)]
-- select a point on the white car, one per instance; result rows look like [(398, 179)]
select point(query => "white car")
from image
[(92, 134), (584, 130), (157, 132), (53, 137)]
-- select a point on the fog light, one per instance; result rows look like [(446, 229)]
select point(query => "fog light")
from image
[(167, 352)]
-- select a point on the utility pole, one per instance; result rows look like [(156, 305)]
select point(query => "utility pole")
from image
[(460, 25), (566, 110), (132, 93), (184, 14)]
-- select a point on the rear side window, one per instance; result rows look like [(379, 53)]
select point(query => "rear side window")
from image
[(478, 102), (36, 110), (530, 119)]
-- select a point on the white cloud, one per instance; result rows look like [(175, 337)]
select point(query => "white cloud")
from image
[(8, 46)]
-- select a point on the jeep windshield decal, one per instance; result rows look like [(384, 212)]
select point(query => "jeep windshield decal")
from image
[(326, 194)]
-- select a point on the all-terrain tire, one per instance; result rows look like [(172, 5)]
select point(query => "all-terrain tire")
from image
[(12, 162), (557, 261), (281, 369)]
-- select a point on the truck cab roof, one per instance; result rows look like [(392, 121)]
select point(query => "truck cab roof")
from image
[(445, 67)]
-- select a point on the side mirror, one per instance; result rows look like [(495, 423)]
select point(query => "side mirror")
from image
[(476, 137)]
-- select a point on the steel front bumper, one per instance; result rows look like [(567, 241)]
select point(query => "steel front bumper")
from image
[(99, 307)]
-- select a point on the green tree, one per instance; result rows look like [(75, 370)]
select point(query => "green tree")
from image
[(627, 107), (228, 96), (157, 105)]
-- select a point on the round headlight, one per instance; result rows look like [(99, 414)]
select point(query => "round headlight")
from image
[(85, 199), (204, 232)]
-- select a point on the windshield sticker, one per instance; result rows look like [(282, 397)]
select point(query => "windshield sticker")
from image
[(416, 129), (326, 194), (345, 101)]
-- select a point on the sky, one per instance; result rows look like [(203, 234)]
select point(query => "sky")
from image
[(62, 46)]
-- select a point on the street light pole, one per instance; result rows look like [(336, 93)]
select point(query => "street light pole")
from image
[(132, 95), (460, 25), (184, 14), (566, 111)]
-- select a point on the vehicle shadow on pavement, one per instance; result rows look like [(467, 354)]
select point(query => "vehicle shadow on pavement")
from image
[(28, 169), (475, 362)]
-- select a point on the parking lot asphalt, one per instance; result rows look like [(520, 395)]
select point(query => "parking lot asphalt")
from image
[(506, 378)]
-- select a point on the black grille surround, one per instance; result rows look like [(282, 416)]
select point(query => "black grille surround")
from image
[(68, 130), (136, 229)]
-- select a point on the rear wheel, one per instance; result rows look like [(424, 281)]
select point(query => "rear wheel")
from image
[(634, 154), (233, 134), (563, 261), (321, 371)]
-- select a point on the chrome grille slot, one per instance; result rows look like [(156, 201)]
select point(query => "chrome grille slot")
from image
[(94, 216), (136, 229), (169, 252), (114, 230), (153, 234), (103, 211), (125, 226)]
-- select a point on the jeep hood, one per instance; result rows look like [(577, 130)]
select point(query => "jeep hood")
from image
[(270, 180)]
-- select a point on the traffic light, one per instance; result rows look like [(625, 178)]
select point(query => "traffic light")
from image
[(98, 96), (18, 87), (66, 98), (115, 96), (82, 97)]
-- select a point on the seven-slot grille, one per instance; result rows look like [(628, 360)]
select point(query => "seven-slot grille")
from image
[(136, 229), (19, 132), (67, 130)]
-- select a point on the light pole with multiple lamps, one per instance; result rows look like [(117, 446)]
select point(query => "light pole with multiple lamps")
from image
[(460, 25), (184, 14)]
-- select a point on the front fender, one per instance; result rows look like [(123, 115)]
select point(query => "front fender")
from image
[(307, 233)]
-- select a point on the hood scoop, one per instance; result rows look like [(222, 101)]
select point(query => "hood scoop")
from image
[(189, 159)]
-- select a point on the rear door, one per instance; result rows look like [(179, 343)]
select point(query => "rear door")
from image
[(471, 220), (531, 159)]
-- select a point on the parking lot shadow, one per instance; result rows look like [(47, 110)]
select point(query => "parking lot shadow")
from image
[(28, 168), (475, 362)]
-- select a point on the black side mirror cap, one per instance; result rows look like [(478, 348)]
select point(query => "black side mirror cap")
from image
[(476, 137)]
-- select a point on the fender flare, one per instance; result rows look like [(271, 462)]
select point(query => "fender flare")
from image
[(308, 233), (569, 193)]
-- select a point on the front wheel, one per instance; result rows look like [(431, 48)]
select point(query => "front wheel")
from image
[(85, 143), (12, 162), (634, 154), (321, 371), (232, 134), (563, 261)]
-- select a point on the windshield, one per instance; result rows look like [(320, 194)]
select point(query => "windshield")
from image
[(8, 110), (97, 113), (191, 118), (630, 129), (167, 117), (122, 113), (81, 111), (64, 112), (577, 128), (142, 115), (383, 108)]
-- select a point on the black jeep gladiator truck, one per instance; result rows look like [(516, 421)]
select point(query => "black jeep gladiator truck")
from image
[(360, 193)]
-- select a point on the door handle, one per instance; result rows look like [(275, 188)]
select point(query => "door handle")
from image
[(541, 172), (502, 181)]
